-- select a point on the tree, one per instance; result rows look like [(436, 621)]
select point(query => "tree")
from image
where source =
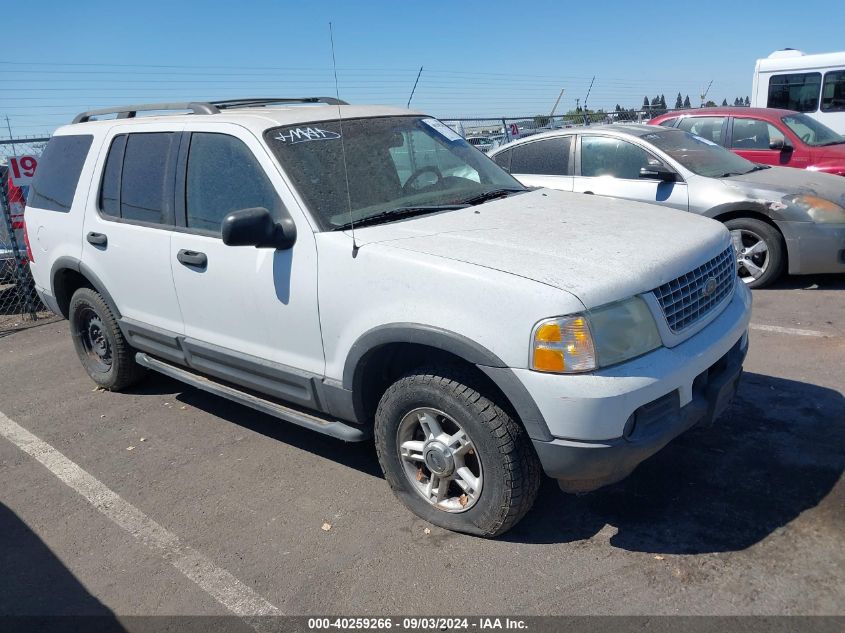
[(747, 101), (725, 102), (663, 104), (679, 102), (710, 104), (618, 108), (686, 102), (645, 104), (541, 120)]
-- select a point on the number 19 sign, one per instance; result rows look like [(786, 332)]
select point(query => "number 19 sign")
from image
[(22, 169)]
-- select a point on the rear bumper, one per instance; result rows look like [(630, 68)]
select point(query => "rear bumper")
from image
[(48, 300), (814, 248), (583, 466)]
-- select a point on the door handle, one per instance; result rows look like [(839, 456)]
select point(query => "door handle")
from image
[(589, 193), (97, 239), (192, 258)]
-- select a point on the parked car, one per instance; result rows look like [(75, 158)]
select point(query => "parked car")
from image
[(779, 218), (482, 332), (482, 143), (765, 135)]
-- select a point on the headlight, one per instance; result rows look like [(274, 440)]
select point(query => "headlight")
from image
[(605, 336), (820, 210)]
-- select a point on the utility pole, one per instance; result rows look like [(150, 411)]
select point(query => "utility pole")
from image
[(556, 104), (586, 116), (9, 127), (704, 94)]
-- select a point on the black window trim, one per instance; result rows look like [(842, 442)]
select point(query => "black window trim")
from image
[(636, 143), (169, 223)]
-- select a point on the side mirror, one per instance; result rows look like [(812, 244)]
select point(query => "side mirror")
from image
[(780, 144), (658, 172), (256, 227)]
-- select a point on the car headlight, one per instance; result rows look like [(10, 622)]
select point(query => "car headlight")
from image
[(820, 210), (604, 336)]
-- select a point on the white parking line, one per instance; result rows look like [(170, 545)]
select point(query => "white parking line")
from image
[(215, 581), (788, 330)]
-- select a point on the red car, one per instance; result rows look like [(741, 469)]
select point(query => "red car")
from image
[(765, 135)]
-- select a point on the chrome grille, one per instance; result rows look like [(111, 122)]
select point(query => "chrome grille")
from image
[(686, 300)]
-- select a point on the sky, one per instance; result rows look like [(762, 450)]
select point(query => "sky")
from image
[(479, 59)]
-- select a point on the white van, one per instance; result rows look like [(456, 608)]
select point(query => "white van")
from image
[(793, 80)]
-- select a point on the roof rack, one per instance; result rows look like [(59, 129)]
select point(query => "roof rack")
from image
[(201, 107)]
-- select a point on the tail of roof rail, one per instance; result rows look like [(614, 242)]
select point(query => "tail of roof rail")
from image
[(201, 107)]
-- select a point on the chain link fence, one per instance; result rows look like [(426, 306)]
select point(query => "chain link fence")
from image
[(19, 303), (487, 133)]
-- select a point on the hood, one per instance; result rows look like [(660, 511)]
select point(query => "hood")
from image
[(599, 249), (777, 182)]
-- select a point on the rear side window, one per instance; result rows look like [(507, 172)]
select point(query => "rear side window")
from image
[(503, 159), (58, 172), (136, 186), (223, 176), (549, 157), (668, 122), (798, 91), (707, 127)]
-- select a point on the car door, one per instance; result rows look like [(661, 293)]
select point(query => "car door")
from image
[(250, 313), (762, 142), (129, 220), (545, 162), (610, 166)]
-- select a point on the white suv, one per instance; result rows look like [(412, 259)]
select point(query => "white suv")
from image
[(377, 275)]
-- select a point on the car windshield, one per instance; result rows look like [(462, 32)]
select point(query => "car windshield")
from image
[(699, 155), (393, 165), (811, 131)]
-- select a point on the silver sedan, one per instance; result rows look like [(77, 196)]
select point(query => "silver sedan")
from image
[(779, 218)]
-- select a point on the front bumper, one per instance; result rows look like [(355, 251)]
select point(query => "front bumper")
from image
[(605, 423), (814, 248), (585, 466)]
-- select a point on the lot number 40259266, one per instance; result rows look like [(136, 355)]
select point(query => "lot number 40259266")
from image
[(22, 169)]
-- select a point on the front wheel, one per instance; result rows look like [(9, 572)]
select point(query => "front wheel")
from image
[(453, 456), (759, 250)]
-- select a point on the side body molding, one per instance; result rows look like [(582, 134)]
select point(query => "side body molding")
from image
[(456, 344)]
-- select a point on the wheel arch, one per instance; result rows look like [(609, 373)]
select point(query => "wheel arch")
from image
[(67, 275), (734, 214), (383, 354)]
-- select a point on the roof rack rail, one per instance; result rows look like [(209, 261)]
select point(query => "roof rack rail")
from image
[(201, 107), (248, 103), (129, 112)]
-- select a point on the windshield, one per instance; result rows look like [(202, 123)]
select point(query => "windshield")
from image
[(699, 155), (811, 131), (393, 163)]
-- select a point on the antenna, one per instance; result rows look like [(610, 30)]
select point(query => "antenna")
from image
[(414, 89), (343, 147)]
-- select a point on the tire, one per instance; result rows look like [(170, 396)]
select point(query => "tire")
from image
[(496, 448), (100, 345), (745, 232)]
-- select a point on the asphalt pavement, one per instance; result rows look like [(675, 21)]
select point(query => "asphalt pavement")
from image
[(167, 500)]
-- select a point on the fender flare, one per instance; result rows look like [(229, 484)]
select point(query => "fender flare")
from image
[(67, 262), (467, 349)]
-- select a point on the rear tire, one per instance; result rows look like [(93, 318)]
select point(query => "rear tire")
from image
[(760, 251), (102, 349), (437, 420)]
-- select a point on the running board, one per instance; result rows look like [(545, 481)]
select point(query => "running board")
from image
[(312, 421)]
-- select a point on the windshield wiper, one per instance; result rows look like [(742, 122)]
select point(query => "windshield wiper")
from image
[(758, 168), (400, 212), (491, 195)]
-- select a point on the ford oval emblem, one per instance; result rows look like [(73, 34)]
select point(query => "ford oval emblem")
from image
[(709, 287)]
